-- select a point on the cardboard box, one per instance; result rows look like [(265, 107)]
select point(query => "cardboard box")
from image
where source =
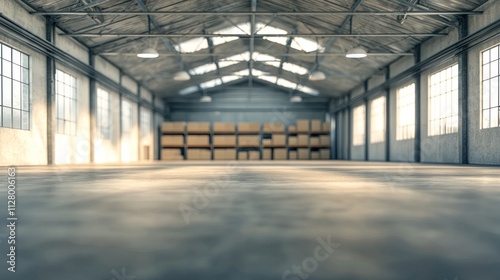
[(279, 140), (253, 155), (316, 125), (303, 139), (248, 127), (198, 127), (173, 127), (303, 153), (267, 154), (224, 154), (314, 141), (267, 142), (198, 154), (293, 141), (325, 127), (324, 140), (315, 155), (242, 155), (280, 154), (292, 129), (172, 140), (248, 140), (273, 127), (224, 127), (292, 155), (198, 140), (171, 154), (324, 153), (224, 140), (302, 125)]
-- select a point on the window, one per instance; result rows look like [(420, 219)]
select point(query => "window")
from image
[(14, 89), (127, 121), (66, 103), (103, 114), (490, 92), (377, 120), (358, 121), (405, 122), (145, 123), (443, 101)]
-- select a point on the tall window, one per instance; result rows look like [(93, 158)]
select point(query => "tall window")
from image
[(14, 89), (103, 114), (145, 123), (358, 121), (126, 116), (377, 120), (66, 103), (443, 102), (405, 102), (491, 83)]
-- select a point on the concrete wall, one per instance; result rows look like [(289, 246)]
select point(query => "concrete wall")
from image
[(29, 147), (483, 143), (76, 148), (236, 106)]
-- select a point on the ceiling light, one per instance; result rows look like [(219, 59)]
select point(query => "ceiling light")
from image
[(206, 98), (317, 76), (182, 76), (357, 52), (148, 53), (296, 99)]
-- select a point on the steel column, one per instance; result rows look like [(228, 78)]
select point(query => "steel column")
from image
[(388, 117), (349, 127), (418, 107), (463, 66), (92, 108), (50, 27), (367, 123)]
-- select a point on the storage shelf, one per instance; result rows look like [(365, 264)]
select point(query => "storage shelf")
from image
[(173, 133), (199, 146), (320, 146), (199, 132), (320, 132), (298, 146), (224, 146), (224, 133), (172, 146), (249, 146), (274, 146), (248, 132)]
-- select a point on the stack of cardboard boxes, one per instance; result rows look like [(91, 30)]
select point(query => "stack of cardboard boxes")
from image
[(248, 128), (273, 127), (248, 140), (224, 154), (173, 127), (198, 141), (224, 141), (171, 154), (201, 154), (223, 128), (198, 127)]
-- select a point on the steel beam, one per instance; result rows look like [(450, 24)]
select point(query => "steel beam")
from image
[(487, 33), (367, 123), (50, 28), (23, 36), (418, 107), (388, 117), (272, 54), (253, 8), (463, 66), (255, 13), (245, 36), (92, 109)]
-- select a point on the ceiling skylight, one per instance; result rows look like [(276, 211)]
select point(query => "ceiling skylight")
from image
[(205, 68), (188, 90), (287, 84), (192, 45), (211, 83)]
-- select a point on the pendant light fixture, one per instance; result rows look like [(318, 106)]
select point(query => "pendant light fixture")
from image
[(316, 75), (148, 52)]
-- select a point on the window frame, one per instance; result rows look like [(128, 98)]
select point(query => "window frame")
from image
[(482, 93), (20, 83), (103, 129), (405, 131), (358, 125), (73, 101), (377, 132), (446, 102)]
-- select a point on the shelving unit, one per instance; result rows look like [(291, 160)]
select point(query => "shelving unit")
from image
[(245, 141)]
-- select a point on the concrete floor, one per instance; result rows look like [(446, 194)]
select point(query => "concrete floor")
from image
[(256, 221)]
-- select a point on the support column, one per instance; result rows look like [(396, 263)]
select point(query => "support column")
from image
[(418, 109), (388, 117), (51, 106), (139, 129), (349, 127), (367, 124), (120, 114), (92, 109), (463, 64)]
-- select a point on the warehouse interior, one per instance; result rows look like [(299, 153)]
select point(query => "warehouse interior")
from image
[(283, 139)]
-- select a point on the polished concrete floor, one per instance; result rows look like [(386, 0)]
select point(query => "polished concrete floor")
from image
[(255, 221)]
